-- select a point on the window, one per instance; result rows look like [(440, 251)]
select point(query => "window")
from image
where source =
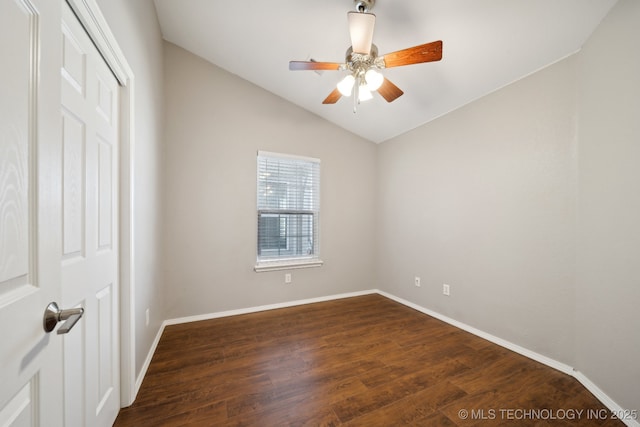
[(288, 212)]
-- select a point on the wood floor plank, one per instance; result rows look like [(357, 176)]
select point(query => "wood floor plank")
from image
[(362, 361), (413, 409)]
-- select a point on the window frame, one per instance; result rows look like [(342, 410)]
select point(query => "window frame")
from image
[(285, 262)]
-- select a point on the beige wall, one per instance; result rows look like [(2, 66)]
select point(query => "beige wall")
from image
[(608, 256), (483, 199), (137, 31), (215, 123)]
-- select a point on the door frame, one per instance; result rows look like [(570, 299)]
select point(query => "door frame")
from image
[(97, 28)]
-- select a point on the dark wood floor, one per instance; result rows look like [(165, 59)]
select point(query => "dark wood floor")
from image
[(364, 361)]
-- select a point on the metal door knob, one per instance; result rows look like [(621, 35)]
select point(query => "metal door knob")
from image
[(53, 314)]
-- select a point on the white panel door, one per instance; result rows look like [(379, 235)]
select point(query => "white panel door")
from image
[(89, 114), (58, 222), (30, 214)]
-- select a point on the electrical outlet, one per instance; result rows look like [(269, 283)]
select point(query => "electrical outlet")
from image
[(287, 278), (416, 280), (146, 313), (446, 290)]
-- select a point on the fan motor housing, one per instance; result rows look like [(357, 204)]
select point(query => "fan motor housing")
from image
[(349, 55)]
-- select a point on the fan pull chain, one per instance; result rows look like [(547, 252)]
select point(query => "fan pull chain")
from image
[(356, 94)]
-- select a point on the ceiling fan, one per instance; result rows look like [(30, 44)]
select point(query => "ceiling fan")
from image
[(363, 62)]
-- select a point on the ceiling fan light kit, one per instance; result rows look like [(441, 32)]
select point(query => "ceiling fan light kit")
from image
[(363, 63), (345, 86), (374, 79)]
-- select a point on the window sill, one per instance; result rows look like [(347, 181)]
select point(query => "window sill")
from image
[(287, 265)]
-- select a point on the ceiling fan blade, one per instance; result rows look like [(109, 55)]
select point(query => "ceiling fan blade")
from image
[(313, 65), (333, 97), (389, 91), (361, 31), (427, 52)]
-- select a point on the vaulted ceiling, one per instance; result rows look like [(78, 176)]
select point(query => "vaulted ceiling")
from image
[(487, 45)]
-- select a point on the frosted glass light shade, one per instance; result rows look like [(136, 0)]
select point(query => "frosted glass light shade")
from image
[(361, 31), (364, 94), (345, 85), (374, 79)]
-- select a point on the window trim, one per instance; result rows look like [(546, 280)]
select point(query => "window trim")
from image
[(288, 263)]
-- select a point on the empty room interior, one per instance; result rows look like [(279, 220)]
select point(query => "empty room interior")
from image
[(461, 249)]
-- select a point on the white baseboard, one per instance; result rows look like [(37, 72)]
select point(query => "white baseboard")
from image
[(496, 340), (147, 361), (562, 367), (628, 417), (266, 307), (594, 389)]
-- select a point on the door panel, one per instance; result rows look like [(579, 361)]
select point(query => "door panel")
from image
[(20, 411), (105, 194), (30, 372), (73, 148), (16, 151), (89, 262)]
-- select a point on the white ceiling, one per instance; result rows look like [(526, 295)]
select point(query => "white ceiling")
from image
[(487, 45)]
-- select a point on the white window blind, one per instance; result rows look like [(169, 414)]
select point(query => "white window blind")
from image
[(288, 214)]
